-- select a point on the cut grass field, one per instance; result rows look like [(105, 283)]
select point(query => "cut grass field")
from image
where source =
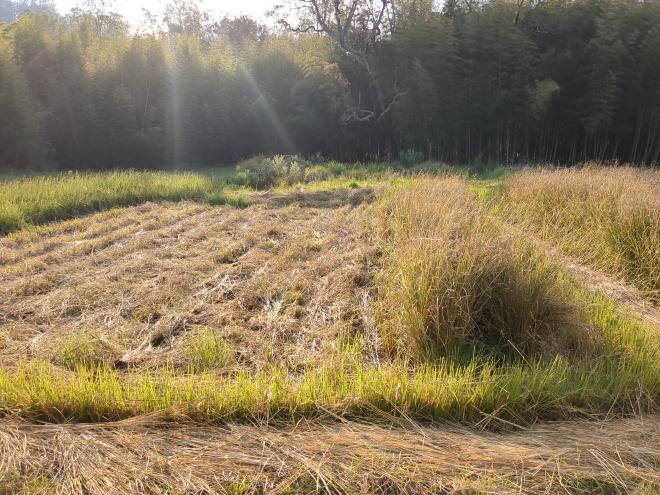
[(411, 309), (148, 456)]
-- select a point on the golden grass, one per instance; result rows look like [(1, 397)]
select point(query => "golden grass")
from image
[(289, 309), (147, 456), (608, 217), (477, 393), (451, 277), (306, 279)]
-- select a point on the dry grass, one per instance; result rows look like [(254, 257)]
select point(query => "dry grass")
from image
[(145, 456), (452, 277), (299, 278), (277, 280), (629, 299), (608, 217)]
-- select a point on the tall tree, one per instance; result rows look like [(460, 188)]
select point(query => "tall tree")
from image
[(21, 132)]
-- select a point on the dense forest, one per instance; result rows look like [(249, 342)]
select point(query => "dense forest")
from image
[(508, 81)]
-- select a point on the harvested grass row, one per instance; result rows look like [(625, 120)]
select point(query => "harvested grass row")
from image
[(614, 456), (607, 217), (451, 277), (625, 379), (38, 200), (272, 282)]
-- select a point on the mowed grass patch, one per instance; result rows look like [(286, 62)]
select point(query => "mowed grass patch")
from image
[(608, 217), (41, 199)]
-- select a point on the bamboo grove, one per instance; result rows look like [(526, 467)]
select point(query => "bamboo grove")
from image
[(479, 81)]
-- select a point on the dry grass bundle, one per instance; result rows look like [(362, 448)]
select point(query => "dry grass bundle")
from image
[(451, 276), (609, 217), (145, 456)]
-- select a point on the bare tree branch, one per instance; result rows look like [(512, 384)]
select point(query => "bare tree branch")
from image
[(355, 25)]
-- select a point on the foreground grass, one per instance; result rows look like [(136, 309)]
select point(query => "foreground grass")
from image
[(37, 200), (609, 217), (476, 327), (624, 378), (518, 393)]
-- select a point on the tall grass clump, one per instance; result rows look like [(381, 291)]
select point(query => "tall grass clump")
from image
[(608, 217), (41, 199), (451, 277)]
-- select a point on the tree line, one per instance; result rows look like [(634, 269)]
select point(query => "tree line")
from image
[(507, 81)]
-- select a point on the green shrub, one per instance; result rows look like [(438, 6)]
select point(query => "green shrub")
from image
[(243, 178), (336, 168), (316, 173), (262, 172)]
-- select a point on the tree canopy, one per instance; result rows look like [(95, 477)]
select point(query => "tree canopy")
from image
[(508, 81)]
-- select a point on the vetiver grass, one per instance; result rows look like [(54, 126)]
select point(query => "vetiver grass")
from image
[(608, 217), (451, 277), (36, 200)]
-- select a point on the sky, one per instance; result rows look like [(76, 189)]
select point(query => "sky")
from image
[(132, 9)]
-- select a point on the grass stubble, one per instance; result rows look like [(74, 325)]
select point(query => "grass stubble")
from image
[(441, 316)]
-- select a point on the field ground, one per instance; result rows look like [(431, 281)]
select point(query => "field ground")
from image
[(391, 333)]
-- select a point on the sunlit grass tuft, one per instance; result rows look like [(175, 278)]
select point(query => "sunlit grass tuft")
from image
[(207, 351), (84, 350)]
